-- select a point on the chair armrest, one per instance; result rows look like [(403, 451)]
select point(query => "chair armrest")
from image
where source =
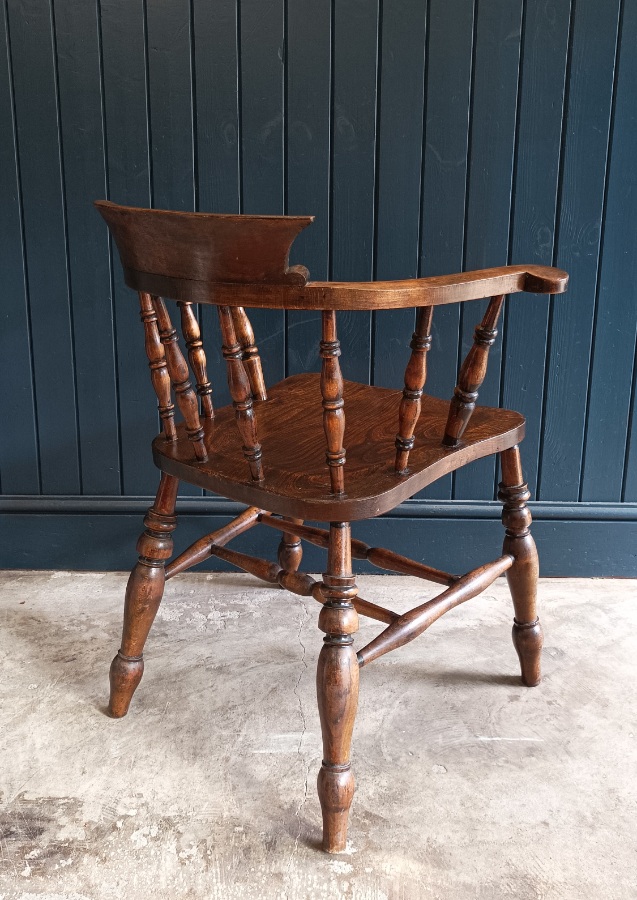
[(436, 290)]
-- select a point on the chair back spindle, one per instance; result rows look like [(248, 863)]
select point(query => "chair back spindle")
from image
[(333, 405), (249, 353), (157, 364), (197, 357), (415, 377), (241, 393), (179, 375), (472, 373)]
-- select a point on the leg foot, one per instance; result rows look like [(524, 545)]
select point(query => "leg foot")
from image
[(523, 574), (528, 640), (337, 689), (143, 595), (125, 675)]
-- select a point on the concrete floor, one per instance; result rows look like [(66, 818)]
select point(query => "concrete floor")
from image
[(469, 784)]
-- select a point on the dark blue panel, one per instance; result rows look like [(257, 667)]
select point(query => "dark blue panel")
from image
[(590, 88), (78, 49), (262, 89), (36, 106), (217, 141), (449, 55), (128, 169), (353, 163), (217, 105), (170, 96), (540, 107), (170, 92), (493, 119), (398, 174), (308, 161), (616, 320), (630, 470), (19, 473)]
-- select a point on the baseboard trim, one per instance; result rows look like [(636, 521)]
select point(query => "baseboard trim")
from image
[(99, 533), (410, 509)]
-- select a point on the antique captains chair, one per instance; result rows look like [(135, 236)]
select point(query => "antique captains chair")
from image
[(268, 449)]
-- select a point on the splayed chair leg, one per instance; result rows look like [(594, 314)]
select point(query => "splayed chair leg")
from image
[(523, 574), (143, 595), (337, 688)]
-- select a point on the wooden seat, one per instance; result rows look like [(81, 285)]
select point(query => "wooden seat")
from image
[(312, 448), (299, 485)]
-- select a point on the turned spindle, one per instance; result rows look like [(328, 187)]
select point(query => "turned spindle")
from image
[(197, 356), (333, 405), (249, 353), (472, 374), (523, 574), (178, 371), (157, 364), (415, 377), (241, 393)]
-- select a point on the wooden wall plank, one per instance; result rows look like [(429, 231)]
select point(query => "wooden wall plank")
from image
[(19, 469), (615, 328), (590, 89), (535, 192), (128, 172), (448, 92), (262, 55), (36, 107), (353, 165), (492, 143), (78, 54), (217, 135), (398, 177), (309, 39)]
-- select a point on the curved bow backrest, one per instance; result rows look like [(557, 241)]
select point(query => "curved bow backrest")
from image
[(234, 261)]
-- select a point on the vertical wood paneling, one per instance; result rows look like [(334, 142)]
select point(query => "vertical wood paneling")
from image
[(616, 320), (261, 103), (492, 142), (309, 38), (426, 137), (19, 470), (540, 113), (82, 141), (36, 108), (128, 168), (216, 69), (448, 91), (590, 91), (398, 173), (353, 165)]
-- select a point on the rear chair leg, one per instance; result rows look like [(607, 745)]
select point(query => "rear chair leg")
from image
[(290, 550), (337, 688), (523, 574), (143, 595)]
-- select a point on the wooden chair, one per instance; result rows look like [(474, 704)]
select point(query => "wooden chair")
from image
[(270, 449)]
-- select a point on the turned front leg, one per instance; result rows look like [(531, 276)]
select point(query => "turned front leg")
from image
[(143, 595), (523, 574), (337, 688)]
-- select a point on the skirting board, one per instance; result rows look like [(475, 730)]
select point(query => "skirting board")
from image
[(99, 533)]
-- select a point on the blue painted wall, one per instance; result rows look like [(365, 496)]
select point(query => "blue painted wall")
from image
[(427, 136)]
